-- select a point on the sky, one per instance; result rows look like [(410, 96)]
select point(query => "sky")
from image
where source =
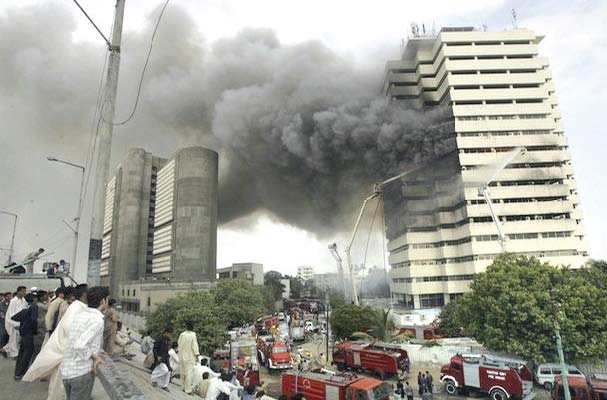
[(54, 59)]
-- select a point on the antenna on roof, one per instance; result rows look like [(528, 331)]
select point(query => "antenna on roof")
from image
[(485, 28), (514, 22)]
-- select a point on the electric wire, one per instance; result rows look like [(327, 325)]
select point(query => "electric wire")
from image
[(145, 66), (91, 21)]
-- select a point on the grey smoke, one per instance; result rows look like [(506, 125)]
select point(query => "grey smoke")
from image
[(302, 132)]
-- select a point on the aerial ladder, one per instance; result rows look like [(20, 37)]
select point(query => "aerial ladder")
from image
[(483, 191), (340, 267), (378, 190)]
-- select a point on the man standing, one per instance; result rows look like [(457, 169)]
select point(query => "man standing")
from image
[(420, 383), (110, 328), (52, 314), (41, 331), (161, 369), (17, 304), (4, 302), (28, 327), (82, 353), (408, 391), (188, 355), (49, 360), (429, 381), (30, 259)]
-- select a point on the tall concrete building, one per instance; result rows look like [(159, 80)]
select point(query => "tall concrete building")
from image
[(502, 97), (160, 224), (250, 272)]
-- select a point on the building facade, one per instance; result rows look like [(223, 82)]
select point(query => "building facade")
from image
[(305, 272), (161, 220), (250, 272), (502, 97)]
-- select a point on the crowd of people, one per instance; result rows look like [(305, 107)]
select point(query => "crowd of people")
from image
[(62, 337)]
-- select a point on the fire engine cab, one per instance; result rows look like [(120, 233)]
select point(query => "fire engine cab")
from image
[(501, 377)]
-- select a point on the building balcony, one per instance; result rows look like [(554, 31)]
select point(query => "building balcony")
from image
[(500, 79), (529, 191), (492, 65), (515, 174), (501, 109), (487, 125), (498, 94), (490, 50), (511, 140)]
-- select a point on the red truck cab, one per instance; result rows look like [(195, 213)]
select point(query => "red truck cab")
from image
[(317, 386), (273, 354), (501, 377)]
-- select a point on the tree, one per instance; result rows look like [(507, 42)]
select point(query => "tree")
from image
[(273, 289), (209, 325), (349, 318), (297, 287), (382, 326), (513, 305), (239, 301)]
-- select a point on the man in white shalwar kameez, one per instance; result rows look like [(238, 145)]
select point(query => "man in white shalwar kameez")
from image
[(188, 355), (17, 304), (49, 359)]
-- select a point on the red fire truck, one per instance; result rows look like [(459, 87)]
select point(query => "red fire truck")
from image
[(273, 354), (501, 377), (380, 358), (316, 386), (426, 332), (580, 388), (266, 324)]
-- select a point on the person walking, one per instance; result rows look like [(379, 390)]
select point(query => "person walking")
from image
[(48, 362), (110, 328), (83, 351), (17, 304), (28, 327), (408, 391), (161, 369), (429, 381), (188, 355), (4, 302), (400, 390), (420, 383)]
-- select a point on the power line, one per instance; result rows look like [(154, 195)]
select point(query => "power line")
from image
[(91, 21), (145, 66)]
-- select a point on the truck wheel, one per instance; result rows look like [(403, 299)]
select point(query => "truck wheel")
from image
[(498, 394), (548, 386), (450, 388)]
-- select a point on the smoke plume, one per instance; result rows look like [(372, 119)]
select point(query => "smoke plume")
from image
[(302, 132)]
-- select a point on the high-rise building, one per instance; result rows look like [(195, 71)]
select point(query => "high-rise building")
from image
[(305, 272), (502, 97), (160, 223)]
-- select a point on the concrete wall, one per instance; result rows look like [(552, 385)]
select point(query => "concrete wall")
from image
[(196, 214)]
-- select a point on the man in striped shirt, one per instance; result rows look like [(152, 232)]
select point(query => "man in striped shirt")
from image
[(82, 353)]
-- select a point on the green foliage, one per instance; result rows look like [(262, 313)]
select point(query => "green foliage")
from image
[(239, 301), (347, 319), (512, 308), (210, 327), (297, 288), (451, 320), (382, 326), (336, 299), (430, 343), (272, 289), (231, 303)]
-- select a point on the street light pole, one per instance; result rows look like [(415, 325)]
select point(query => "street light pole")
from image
[(559, 349), (79, 213), (11, 251)]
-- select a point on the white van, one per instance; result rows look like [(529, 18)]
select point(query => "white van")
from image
[(546, 373)]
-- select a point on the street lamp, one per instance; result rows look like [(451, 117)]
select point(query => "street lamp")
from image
[(77, 229), (10, 254)]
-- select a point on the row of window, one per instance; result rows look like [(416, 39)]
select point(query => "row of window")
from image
[(508, 149), (497, 86), (478, 257), (501, 117), (508, 133), (448, 278)]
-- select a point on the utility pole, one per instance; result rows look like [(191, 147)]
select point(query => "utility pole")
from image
[(104, 148), (11, 251), (559, 349)]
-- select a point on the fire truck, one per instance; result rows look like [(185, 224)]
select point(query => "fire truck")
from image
[(273, 354), (580, 388), (426, 332), (501, 377), (266, 324), (244, 361), (383, 359), (317, 386)]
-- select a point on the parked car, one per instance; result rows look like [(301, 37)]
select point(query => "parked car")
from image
[(546, 373)]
